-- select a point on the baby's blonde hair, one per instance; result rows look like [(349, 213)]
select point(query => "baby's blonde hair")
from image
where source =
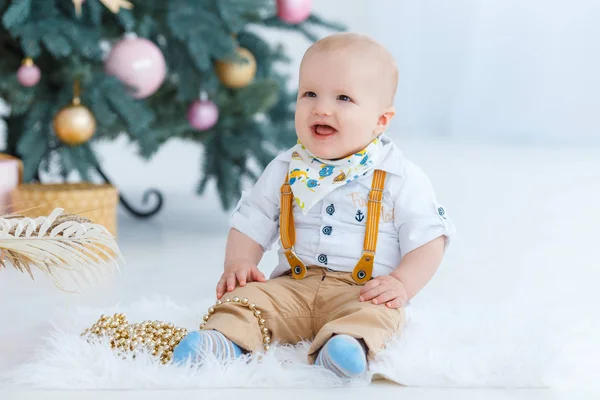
[(369, 49)]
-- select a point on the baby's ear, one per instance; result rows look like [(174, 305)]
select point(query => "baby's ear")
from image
[(384, 120)]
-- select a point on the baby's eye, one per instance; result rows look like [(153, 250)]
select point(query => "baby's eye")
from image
[(310, 94), (343, 97)]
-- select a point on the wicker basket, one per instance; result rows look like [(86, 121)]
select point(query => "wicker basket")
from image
[(96, 202)]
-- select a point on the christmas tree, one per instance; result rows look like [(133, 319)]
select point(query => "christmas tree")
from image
[(74, 72)]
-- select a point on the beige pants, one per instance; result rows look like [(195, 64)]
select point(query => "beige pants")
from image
[(315, 308)]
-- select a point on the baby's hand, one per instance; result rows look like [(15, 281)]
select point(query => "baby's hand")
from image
[(384, 289), (238, 272)]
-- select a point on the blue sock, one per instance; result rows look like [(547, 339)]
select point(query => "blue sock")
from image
[(197, 344), (343, 355)]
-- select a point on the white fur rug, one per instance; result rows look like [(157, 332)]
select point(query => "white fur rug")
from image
[(441, 346)]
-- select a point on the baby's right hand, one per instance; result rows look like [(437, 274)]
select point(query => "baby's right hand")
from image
[(241, 272)]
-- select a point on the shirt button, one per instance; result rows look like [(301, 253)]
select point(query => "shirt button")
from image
[(441, 212), (330, 209), (327, 230), (322, 259)]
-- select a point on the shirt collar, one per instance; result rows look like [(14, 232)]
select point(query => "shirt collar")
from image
[(392, 162)]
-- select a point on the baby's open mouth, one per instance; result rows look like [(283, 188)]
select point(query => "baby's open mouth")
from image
[(323, 129)]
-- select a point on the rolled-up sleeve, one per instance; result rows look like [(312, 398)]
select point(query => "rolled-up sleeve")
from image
[(257, 213), (419, 218)]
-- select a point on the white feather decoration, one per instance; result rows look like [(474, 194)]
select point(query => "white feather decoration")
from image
[(60, 245)]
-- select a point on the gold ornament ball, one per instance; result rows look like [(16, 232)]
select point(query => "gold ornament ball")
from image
[(235, 74), (74, 124)]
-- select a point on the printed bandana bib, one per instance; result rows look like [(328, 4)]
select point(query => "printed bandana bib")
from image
[(312, 179)]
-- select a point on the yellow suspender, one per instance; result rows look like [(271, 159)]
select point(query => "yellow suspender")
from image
[(287, 231), (364, 268)]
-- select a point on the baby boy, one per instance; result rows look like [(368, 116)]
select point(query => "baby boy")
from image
[(359, 227)]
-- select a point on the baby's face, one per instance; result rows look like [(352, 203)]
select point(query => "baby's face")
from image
[(339, 103)]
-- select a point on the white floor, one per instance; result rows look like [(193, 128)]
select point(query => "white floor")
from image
[(383, 391), (528, 220)]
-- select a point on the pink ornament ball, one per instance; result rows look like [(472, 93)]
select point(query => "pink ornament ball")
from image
[(139, 63), (28, 74), (203, 114), (293, 11)]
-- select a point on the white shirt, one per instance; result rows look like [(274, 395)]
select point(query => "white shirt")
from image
[(331, 235)]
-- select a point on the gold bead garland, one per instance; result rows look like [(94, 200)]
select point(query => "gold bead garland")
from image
[(160, 338), (245, 303)]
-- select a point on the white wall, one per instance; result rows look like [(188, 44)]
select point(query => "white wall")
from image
[(500, 70)]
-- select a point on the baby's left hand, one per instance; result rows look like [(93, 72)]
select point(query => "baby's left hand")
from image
[(384, 289)]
